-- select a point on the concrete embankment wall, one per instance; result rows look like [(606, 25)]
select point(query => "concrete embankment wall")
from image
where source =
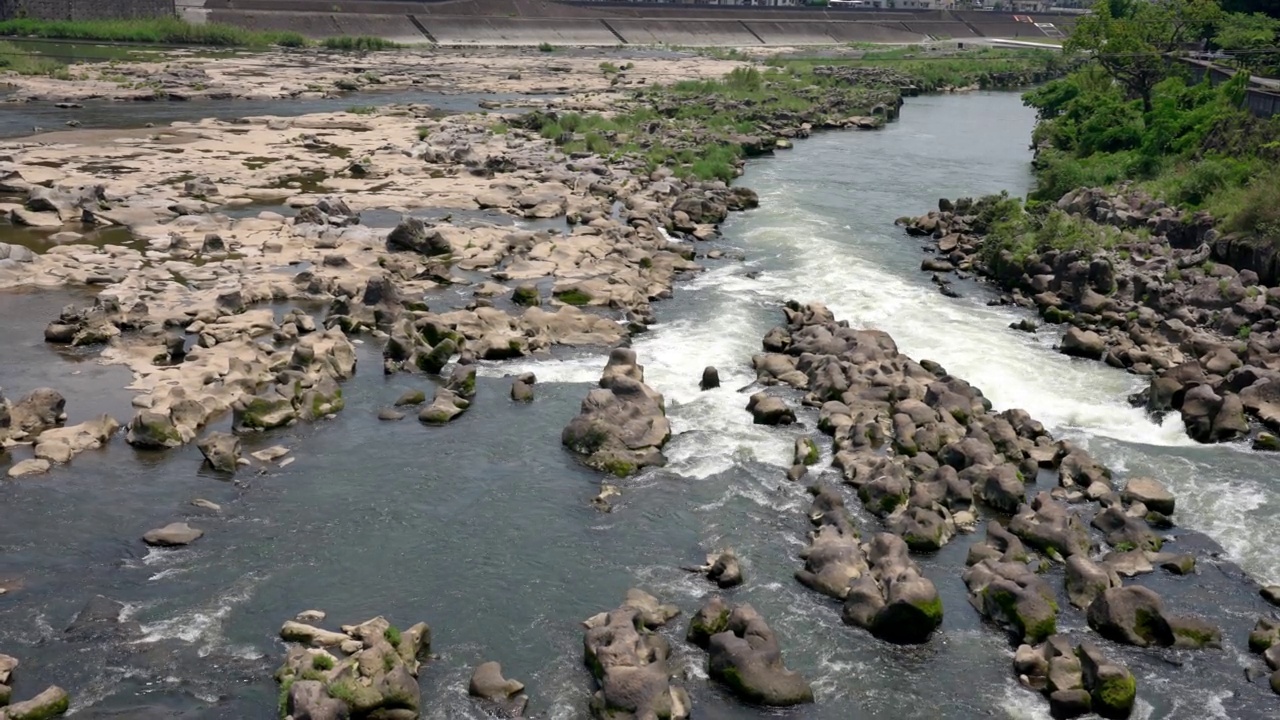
[(533, 22), (85, 9)]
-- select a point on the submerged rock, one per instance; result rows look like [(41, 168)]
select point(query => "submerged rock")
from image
[(497, 695), (172, 535)]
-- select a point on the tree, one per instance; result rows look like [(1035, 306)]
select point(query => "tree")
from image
[(1131, 38), (1251, 39), (1269, 7)]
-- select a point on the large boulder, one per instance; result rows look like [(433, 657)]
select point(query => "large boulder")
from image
[(770, 410), (1149, 492), (1013, 597), (153, 431), (414, 234), (53, 702), (622, 425), (446, 406), (747, 660), (1083, 343), (629, 664), (894, 600), (40, 410), (221, 451), (1135, 615), (1085, 580)]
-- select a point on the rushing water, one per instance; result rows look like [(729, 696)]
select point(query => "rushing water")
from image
[(483, 528)]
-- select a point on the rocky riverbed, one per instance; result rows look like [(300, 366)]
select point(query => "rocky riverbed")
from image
[(437, 255), (1145, 287)]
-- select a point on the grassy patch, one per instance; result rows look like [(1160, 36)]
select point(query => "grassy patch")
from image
[(546, 47), (358, 42), (169, 31), (362, 110), (25, 62)]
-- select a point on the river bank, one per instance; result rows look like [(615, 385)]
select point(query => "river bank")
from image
[(390, 519)]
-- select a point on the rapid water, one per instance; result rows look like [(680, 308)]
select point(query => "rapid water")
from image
[(484, 529)]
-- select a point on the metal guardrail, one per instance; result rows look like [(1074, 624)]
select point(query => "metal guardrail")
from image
[(1261, 98)]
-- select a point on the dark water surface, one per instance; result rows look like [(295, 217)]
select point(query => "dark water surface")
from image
[(483, 528)]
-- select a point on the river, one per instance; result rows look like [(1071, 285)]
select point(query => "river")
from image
[(483, 528)]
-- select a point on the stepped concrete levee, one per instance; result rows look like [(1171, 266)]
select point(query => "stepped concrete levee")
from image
[(801, 32), (532, 22), (688, 33), (517, 31)]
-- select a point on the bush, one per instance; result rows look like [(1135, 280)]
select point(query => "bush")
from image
[(546, 47)]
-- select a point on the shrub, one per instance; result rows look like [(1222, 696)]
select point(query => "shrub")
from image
[(546, 47)]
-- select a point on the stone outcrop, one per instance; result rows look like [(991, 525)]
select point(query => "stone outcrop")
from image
[(629, 663), (1077, 680), (622, 425), (744, 656), (894, 601), (221, 451), (1135, 615), (1168, 299), (368, 670)]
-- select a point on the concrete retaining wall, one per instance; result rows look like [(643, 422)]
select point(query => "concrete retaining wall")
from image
[(85, 9)]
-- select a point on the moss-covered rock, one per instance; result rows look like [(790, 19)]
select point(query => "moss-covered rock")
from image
[(1114, 692), (526, 295), (266, 413), (153, 431), (573, 296), (49, 704)]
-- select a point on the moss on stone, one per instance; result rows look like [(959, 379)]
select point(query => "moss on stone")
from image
[(618, 467), (811, 456), (573, 296), (1114, 696), (283, 702), (392, 635), (527, 296), (931, 609)]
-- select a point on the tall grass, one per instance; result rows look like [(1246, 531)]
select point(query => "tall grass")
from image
[(25, 62), (173, 31), (169, 31)]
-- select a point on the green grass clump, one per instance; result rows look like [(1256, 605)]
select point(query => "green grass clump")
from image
[(358, 42), (546, 47), (392, 636), (362, 109), (322, 661)]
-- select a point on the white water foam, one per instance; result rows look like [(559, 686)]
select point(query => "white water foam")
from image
[(204, 625)]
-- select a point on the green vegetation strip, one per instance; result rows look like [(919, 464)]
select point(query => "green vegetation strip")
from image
[(172, 31), (1136, 117)]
